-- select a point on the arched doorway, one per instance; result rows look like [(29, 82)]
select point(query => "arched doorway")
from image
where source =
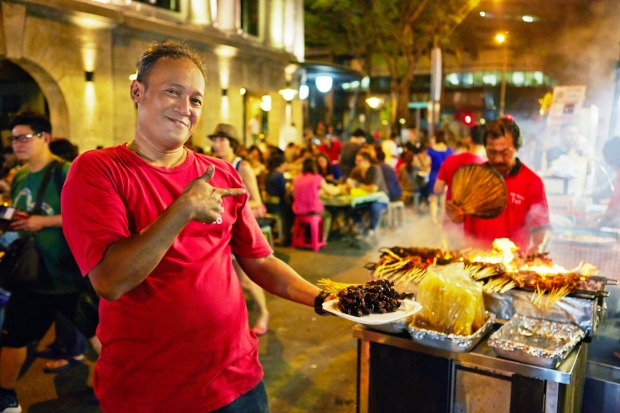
[(24, 84), (18, 90)]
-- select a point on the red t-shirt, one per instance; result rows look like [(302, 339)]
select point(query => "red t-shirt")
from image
[(451, 164), (306, 199), (527, 210), (180, 341), (333, 151)]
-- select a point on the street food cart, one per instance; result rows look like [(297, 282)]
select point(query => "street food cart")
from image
[(503, 366), (396, 374)]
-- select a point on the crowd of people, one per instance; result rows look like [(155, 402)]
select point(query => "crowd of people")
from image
[(404, 172)]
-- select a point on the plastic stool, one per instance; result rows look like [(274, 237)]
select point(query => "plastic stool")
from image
[(277, 219), (317, 234), (394, 208)]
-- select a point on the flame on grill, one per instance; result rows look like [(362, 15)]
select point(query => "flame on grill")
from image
[(503, 253), (501, 269)]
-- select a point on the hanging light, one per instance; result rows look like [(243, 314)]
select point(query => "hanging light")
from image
[(324, 83), (304, 91), (288, 94), (265, 103), (374, 102)]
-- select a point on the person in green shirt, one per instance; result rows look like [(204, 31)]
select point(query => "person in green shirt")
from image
[(32, 309)]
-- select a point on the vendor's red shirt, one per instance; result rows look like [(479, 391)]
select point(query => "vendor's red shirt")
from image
[(180, 340), (527, 211), (333, 151), (451, 164)]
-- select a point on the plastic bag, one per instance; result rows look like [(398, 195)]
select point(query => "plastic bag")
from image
[(452, 302)]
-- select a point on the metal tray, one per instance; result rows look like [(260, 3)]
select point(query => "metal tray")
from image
[(579, 311), (395, 327), (451, 342), (534, 341)]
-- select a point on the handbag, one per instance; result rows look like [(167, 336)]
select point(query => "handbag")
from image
[(21, 264)]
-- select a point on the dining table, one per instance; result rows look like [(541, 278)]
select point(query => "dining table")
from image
[(341, 205), (353, 201)]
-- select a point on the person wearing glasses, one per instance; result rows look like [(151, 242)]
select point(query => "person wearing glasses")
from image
[(525, 221), (32, 308), (154, 226)]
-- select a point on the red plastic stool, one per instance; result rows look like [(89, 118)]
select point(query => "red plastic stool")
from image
[(317, 235)]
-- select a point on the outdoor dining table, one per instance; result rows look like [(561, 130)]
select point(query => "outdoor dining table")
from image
[(344, 203), (347, 200)]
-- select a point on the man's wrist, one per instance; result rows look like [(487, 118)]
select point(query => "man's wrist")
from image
[(318, 303)]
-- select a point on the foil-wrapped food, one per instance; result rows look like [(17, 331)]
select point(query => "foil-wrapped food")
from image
[(450, 342), (534, 341)]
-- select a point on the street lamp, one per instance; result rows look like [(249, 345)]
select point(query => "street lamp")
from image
[(374, 102), (501, 39), (324, 83), (288, 94)]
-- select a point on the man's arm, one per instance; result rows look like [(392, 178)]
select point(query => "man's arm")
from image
[(540, 236), (279, 278), (127, 263), (538, 217)]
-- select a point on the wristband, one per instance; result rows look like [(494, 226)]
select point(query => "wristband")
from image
[(318, 302)]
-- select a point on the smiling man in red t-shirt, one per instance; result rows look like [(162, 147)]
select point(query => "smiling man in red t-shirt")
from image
[(525, 220), (153, 225)]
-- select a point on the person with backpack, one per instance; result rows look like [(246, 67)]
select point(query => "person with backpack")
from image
[(32, 307)]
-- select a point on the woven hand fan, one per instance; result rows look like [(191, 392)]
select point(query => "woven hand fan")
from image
[(479, 191)]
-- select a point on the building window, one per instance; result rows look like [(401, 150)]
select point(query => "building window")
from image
[(172, 5), (249, 16)]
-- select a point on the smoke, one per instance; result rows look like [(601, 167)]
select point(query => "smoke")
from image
[(585, 52)]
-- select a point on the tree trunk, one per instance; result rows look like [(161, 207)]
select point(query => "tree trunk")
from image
[(402, 102)]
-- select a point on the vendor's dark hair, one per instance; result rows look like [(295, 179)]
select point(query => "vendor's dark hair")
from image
[(611, 151), (38, 122), (501, 127), (477, 134), (156, 51)]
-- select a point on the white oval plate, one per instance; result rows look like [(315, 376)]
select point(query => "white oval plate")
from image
[(407, 308)]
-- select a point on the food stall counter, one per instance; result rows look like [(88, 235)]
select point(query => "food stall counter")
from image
[(397, 374)]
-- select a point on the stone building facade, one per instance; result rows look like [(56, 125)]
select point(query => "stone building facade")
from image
[(81, 54)]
